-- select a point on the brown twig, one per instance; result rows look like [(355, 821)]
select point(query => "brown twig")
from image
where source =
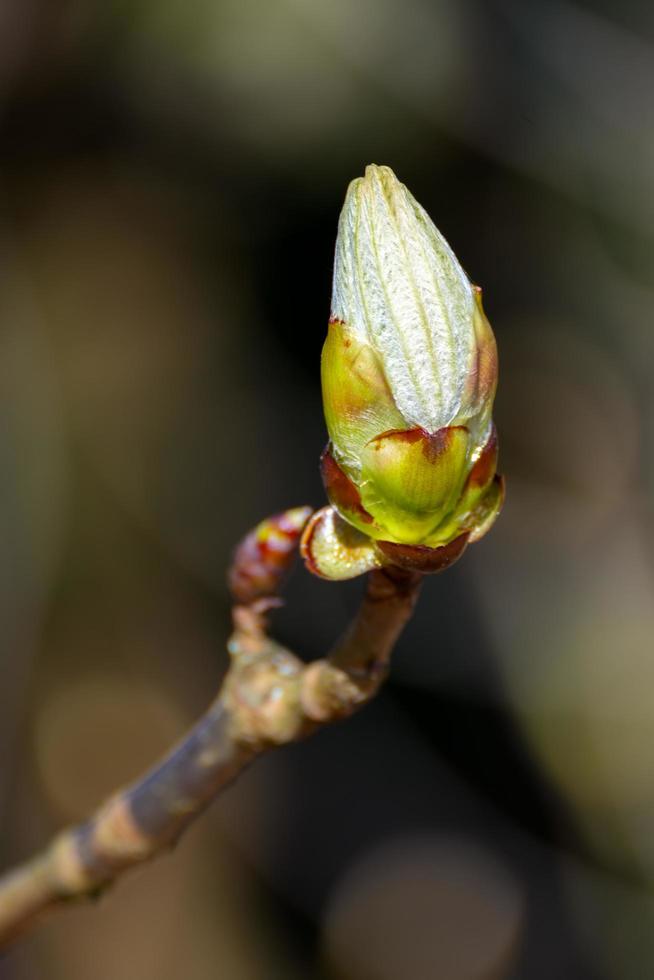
[(268, 697)]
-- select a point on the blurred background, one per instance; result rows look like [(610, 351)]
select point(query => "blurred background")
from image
[(171, 176)]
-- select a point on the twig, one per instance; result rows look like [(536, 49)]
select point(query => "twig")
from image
[(268, 697)]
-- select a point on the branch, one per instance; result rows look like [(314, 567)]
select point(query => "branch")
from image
[(268, 697)]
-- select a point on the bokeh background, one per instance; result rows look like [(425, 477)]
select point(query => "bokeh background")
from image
[(171, 173)]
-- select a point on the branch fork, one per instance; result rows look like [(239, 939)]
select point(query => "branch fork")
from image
[(269, 697)]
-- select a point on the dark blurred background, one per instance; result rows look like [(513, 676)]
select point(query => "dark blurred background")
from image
[(171, 175)]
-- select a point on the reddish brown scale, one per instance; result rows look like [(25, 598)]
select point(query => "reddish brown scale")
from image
[(437, 443), (420, 558), (306, 549), (488, 363), (340, 489), (475, 373), (434, 444), (402, 435), (265, 555), (485, 368), (484, 469)]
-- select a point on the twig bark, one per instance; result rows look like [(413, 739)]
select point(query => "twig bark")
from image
[(268, 697)]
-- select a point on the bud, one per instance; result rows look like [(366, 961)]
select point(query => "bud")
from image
[(409, 371)]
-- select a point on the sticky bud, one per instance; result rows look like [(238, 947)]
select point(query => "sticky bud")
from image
[(409, 372)]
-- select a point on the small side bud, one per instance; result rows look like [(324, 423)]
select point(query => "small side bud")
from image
[(265, 555)]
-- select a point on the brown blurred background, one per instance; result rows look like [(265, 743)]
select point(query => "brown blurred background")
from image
[(171, 175)]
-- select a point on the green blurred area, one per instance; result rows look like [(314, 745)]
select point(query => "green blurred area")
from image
[(170, 181)]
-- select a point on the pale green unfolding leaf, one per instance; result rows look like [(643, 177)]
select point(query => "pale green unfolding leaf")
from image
[(399, 287)]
